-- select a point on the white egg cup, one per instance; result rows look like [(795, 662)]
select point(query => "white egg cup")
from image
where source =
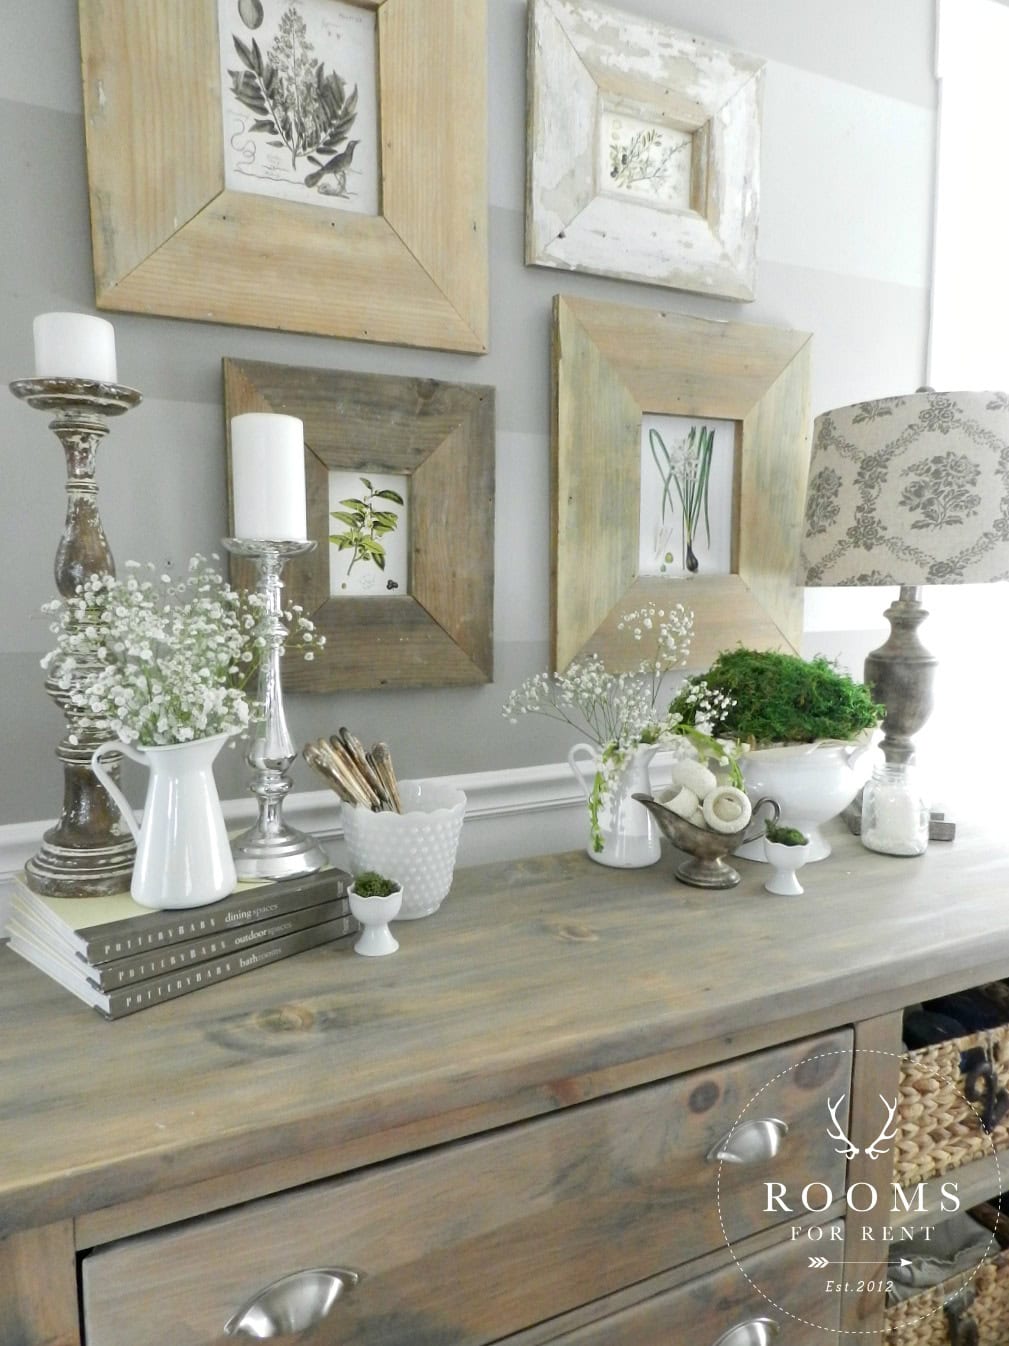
[(374, 914), (785, 860)]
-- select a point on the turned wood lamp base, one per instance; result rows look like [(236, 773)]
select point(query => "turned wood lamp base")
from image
[(901, 675)]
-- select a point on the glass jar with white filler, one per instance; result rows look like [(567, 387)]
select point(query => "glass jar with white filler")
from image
[(895, 816)]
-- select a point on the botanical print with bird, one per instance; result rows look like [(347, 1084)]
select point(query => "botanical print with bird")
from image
[(301, 101)]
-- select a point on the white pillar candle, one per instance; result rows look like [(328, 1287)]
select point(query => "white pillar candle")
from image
[(74, 346), (268, 477)]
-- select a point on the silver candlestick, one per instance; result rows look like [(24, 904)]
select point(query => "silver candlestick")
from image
[(271, 849), (90, 852)]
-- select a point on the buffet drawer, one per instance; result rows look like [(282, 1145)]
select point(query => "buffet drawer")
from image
[(720, 1307), (482, 1238)]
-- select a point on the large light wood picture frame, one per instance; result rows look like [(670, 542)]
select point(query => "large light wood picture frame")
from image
[(614, 364), (643, 149), (168, 238), (441, 437)]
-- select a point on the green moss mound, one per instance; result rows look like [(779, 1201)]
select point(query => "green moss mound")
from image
[(780, 698), (785, 836), (370, 884)]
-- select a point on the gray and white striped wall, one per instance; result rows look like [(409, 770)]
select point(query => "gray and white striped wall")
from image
[(845, 240)]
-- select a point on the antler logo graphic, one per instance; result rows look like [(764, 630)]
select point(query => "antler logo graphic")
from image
[(873, 1150), (848, 1148)]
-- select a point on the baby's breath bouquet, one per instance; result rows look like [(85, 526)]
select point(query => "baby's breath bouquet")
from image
[(157, 660), (618, 712)]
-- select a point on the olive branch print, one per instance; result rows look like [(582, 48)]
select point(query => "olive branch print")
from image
[(365, 524), (305, 110), (644, 158)]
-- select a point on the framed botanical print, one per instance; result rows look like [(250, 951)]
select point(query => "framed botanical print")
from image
[(308, 165), (680, 453), (643, 151), (399, 480)]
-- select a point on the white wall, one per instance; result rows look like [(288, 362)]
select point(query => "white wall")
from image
[(845, 238)]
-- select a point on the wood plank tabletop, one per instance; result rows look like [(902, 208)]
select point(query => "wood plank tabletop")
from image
[(539, 984)]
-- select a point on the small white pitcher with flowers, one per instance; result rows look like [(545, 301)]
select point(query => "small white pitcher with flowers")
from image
[(619, 713), (163, 664)]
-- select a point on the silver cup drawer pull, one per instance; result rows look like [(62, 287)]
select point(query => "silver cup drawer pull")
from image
[(293, 1304), (757, 1332), (753, 1142)]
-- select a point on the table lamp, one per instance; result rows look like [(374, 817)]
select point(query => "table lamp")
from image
[(910, 491)]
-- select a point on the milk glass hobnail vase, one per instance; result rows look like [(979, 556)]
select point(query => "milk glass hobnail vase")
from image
[(895, 816), (183, 853), (415, 848)]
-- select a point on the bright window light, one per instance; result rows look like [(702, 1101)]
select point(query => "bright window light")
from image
[(967, 739)]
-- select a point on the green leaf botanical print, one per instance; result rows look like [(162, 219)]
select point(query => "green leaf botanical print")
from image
[(300, 106), (364, 524)]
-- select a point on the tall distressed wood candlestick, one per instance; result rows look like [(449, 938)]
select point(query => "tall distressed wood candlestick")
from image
[(89, 852)]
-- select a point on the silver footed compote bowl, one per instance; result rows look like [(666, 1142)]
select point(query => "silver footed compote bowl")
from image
[(706, 867)]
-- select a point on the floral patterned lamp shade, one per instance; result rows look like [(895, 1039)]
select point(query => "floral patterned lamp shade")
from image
[(910, 490)]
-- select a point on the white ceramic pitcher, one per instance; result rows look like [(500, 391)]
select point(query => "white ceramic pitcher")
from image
[(629, 832), (183, 854)]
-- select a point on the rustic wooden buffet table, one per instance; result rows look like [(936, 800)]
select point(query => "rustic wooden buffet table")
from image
[(504, 1129)]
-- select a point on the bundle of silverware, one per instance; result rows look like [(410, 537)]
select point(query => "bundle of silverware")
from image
[(359, 775)]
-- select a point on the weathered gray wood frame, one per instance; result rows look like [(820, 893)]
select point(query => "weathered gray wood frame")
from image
[(613, 364), (440, 435), (584, 57)]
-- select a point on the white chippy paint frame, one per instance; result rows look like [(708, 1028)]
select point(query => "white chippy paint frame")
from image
[(585, 56)]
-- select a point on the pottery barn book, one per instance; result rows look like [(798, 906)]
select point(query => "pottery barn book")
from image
[(140, 995), (171, 957), (100, 929), (120, 957)]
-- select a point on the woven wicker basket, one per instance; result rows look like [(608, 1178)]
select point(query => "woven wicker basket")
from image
[(938, 1129), (922, 1321)]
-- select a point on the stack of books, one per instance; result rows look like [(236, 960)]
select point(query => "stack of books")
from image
[(119, 957)]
